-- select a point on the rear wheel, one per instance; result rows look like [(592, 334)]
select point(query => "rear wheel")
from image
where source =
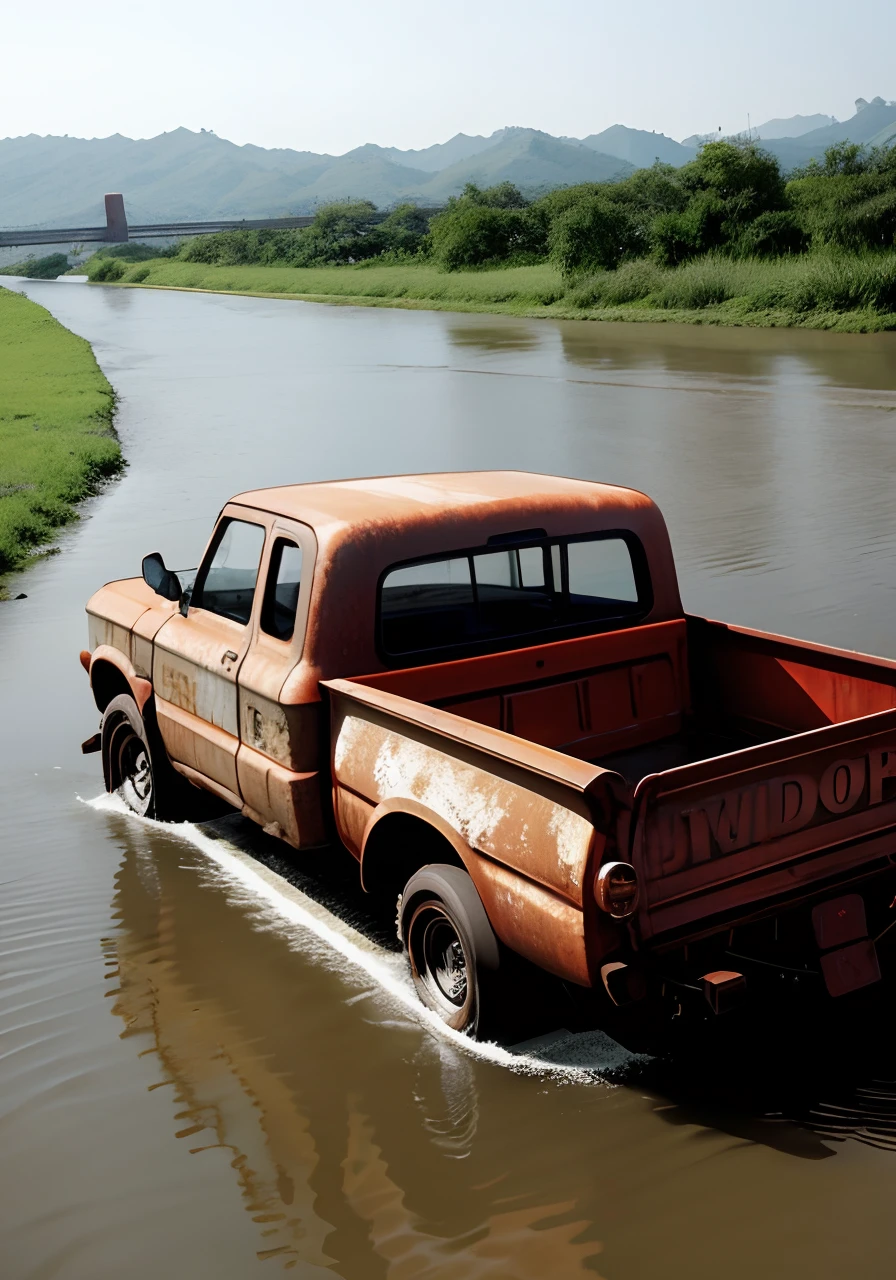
[(135, 765), (452, 949)]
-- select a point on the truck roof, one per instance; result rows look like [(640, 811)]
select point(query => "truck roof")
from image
[(414, 499), (363, 527)]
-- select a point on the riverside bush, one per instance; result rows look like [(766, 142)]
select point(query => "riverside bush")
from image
[(473, 234), (345, 232), (485, 226), (104, 270), (592, 233), (48, 268)]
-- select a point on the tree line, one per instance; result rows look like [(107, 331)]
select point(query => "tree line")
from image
[(732, 199)]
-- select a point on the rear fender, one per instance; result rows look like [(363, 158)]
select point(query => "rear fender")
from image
[(529, 918), (414, 809), (102, 659)]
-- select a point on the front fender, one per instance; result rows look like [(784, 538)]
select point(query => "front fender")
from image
[(103, 657)]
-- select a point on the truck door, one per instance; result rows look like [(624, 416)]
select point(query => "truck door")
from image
[(196, 658), (279, 707)]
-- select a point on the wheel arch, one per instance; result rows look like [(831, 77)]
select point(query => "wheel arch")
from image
[(112, 673), (402, 836)]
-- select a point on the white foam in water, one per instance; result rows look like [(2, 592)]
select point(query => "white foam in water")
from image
[(298, 917)]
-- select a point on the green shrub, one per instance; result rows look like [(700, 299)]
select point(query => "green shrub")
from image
[(592, 233), (469, 235), (105, 270), (48, 268), (132, 252), (652, 191), (632, 282), (849, 200), (730, 199), (695, 230), (502, 196), (402, 232), (772, 235), (345, 232), (729, 186), (740, 174)]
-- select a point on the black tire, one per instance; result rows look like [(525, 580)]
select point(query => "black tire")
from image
[(135, 765), (452, 950)]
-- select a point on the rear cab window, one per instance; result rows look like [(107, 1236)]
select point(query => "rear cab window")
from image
[(506, 595)]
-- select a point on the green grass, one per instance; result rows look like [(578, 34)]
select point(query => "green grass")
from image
[(527, 286), (57, 442), (854, 293), (802, 285)]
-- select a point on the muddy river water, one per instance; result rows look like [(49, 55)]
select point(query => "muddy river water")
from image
[(210, 1068)]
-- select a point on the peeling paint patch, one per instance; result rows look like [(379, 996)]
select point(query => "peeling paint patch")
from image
[(456, 792), (517, 826), (572, 834), (346, 740)]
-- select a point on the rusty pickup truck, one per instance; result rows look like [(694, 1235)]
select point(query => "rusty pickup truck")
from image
[(484, 685)]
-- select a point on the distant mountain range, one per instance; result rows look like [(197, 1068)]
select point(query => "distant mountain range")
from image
[(189, 176), (874, 124)]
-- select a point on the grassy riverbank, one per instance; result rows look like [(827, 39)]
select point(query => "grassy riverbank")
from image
[(845, 292), (57, 442)]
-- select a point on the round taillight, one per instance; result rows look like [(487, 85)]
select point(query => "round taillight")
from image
[(616, 889)]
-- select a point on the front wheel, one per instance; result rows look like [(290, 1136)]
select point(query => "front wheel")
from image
[(452, 950), (135, 766)]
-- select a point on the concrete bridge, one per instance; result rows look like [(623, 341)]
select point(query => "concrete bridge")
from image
[(117, 231)]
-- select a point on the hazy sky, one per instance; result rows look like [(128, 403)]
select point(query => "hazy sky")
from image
[(330, 76)]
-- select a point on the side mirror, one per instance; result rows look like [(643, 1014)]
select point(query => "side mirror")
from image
[(163, 582)]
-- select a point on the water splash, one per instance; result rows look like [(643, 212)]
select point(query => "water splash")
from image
[(583, 1058)]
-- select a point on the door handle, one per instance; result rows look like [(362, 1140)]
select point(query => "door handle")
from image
[(229, 656)]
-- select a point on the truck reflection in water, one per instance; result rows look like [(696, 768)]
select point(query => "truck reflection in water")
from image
[(352, 1141)]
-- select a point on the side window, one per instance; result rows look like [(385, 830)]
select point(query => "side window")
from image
[(227, 585), (278, 616), (600, 573)]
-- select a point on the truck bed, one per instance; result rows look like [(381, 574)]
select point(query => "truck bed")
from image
[(691, 745), (744, 767)]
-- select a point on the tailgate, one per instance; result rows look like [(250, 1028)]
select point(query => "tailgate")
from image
[(720, 839)]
